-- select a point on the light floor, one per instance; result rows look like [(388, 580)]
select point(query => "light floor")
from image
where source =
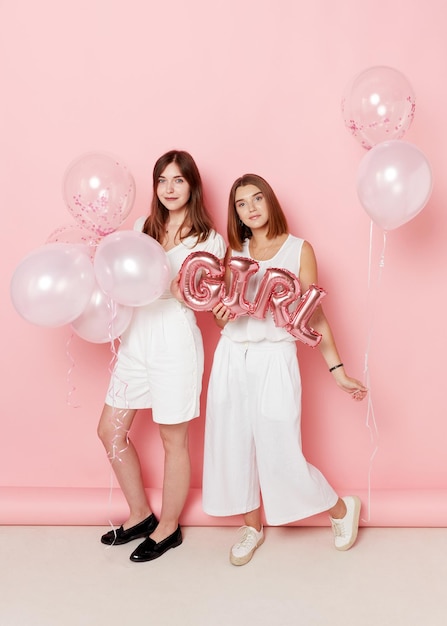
[(63, 576)]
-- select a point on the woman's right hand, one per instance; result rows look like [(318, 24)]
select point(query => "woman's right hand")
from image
[(175, 289), (222, 314)]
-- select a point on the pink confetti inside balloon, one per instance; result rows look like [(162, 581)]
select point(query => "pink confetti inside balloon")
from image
[(378, 105), (72, 233), (99, 192)]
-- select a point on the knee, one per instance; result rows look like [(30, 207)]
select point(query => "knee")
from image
[(110, 430), (104, 433), (114, 426), (112, 437), (174, 438)]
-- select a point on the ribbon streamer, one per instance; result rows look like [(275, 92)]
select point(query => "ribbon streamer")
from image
[(370, 422), (70, 386)]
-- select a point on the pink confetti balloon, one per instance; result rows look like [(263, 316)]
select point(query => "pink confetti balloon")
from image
[(75, 234), (99, 192), (132, 268), (52, 285), (103, 319), (378, 105), (394, 183)]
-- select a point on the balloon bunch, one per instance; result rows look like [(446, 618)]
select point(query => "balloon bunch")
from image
[(86, 274), (394, 179), (202, 286)]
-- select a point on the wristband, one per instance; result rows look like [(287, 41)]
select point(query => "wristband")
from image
[(331, 369)]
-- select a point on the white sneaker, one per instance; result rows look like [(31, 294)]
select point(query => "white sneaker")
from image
[(242, 551), (346, 529)]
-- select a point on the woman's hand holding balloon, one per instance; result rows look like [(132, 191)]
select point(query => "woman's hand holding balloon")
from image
[(351, 385), (222, 314)]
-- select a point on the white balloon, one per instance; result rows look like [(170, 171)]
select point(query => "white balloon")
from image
[(103, 319), (132, 268), (394, 183), (53, 284)]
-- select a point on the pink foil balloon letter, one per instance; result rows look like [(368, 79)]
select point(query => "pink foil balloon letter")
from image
[(301, 316), (201, 280)]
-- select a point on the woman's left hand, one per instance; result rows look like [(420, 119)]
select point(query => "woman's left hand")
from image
[(351, 385)]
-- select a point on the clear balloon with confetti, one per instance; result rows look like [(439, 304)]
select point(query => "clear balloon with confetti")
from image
[(99, 192), (378, 105)]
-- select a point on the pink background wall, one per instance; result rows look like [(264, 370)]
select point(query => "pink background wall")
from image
[(251, 85)]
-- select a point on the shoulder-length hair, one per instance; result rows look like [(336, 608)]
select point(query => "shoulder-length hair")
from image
[(197, 217), (237, 231)]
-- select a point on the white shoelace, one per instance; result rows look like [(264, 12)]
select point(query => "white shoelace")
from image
[(248, 539), (338, 527)]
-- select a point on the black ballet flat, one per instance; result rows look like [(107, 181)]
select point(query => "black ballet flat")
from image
[(149, 550), (120, 536)]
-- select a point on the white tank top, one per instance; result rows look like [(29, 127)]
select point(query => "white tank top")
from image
[(247, 328), (214, 244)]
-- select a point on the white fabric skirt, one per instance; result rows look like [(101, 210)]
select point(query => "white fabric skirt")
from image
[(253, 436), (160, 363)]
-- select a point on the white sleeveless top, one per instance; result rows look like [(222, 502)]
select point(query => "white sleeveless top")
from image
[(247, 328), (214, 244)]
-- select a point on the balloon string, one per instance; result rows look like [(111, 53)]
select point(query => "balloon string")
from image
[(370, 254), (114, 455), (117, 414), (70, 386), (371, 423), (112, 308)]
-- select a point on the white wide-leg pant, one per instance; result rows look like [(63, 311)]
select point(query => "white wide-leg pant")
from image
[(253, 438)]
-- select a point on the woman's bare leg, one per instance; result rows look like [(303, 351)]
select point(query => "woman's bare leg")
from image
[(113, 429), (253, 519), (339, 510), (176, 480)]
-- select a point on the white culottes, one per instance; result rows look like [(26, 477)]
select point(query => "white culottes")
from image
[(160, 363), (253, 436)]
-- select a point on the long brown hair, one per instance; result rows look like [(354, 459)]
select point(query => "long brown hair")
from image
[(196, 217), (237, 231)]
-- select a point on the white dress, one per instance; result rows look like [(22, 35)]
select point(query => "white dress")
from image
[(253, 421), (160, 358)]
